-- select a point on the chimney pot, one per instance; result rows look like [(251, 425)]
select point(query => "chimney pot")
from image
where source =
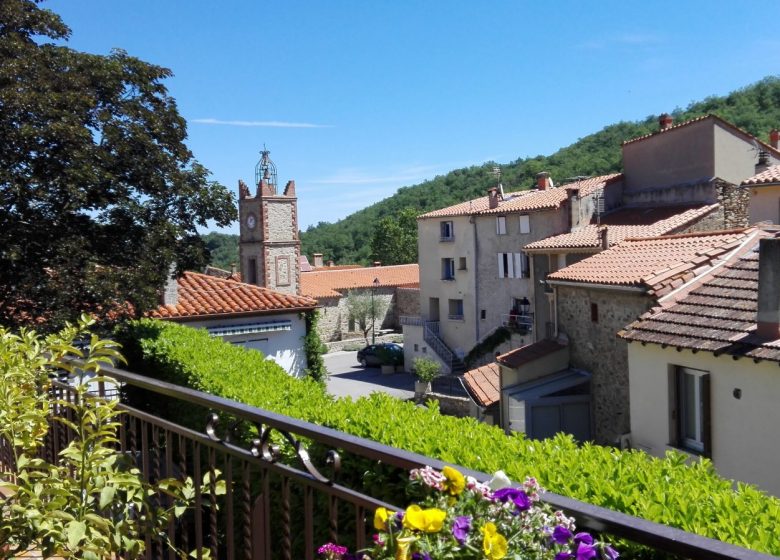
[(330, 262), (774, 138), (377, 263), (665, 121), (492, 197), (232, 268), (318, 260), (768, 317), (542, 180), (603, 239)]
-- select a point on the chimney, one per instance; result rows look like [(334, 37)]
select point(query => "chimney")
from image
[(774, 138), (318, 260), (492, 197), (170, 294), (665, 121), (603, 238), (543, 180), (763, 162), (376, 263), (331, 263), (768, 318), (232, 268)]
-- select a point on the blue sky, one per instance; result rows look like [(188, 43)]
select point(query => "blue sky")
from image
[(358, 98)]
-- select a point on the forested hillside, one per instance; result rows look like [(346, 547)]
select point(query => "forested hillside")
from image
[(755, 108)]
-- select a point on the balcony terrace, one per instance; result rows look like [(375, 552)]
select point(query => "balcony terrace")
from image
[(284, 490)]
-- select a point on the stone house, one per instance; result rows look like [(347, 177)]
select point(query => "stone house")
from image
[(242, 314), (703, 367), (764, 191), (474, 277), (396, 286), (596, 297)]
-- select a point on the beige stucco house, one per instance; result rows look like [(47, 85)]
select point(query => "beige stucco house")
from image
[(474, 276), (703, 368), (764, 190)]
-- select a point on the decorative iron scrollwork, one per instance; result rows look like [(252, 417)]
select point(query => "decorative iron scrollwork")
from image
[(263, 448)]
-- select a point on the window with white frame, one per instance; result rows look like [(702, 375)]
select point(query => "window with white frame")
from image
[(446, 231), (525, 224), (500, 225), (448, 269), (692, 409), (456, 309), (513, 265)]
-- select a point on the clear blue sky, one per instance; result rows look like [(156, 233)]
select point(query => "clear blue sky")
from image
[(358, 98)]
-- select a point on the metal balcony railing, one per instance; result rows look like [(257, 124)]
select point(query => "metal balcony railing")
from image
[(279, 502), (518, 322)]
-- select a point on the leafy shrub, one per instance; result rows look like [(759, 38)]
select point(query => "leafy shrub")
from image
[(87, 503), (490, 343), (691, 496), (426, 369)]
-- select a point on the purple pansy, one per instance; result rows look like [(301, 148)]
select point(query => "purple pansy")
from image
[(421, 556), (585, 551), (518, 497), (564, 556), (398, 520), (461, 528), (584, 538), (561, 535)]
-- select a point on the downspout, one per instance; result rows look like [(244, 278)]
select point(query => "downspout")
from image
[(474, 266), (555, 312)]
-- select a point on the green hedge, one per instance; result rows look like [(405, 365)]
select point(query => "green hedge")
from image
[(692, 497)]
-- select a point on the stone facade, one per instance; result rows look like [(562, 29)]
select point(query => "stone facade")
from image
[(334, 323), (595, 347)]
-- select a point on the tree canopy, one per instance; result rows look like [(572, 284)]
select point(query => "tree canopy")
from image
[(99, 194), (394, 240)]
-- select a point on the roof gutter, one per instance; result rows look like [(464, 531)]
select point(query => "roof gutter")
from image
[(594, 286)]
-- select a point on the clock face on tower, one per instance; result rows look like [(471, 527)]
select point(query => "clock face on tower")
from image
[(251, 221)]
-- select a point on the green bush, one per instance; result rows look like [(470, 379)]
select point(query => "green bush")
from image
[(692, 497), (426, 369)]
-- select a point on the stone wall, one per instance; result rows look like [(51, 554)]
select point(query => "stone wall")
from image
[(449, 405), (334, 316), (595, 348), (407, 302)]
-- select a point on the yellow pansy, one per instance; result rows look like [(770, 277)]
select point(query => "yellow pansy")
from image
[(403, 550), (493, 543), (455, 482), (381, 515), (426, 520)]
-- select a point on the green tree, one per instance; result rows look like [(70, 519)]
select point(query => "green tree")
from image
[(223, 249), (99, 195), (365, 310), (394, 240)]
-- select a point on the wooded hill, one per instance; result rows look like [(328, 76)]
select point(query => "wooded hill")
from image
[(755, 108)]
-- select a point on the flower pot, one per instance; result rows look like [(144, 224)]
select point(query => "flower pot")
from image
[(422, 387)]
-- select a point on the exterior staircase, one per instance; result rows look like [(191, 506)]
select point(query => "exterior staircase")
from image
[(446, 355)]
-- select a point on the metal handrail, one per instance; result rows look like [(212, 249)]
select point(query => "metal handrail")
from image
[(588, 516)]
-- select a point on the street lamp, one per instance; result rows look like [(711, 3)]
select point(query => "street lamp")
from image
[(373, 312)]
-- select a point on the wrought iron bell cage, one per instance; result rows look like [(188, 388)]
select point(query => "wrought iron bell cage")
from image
[(266, 170)]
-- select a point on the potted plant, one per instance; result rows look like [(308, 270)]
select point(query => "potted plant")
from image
[(390, 358), (425, 370)]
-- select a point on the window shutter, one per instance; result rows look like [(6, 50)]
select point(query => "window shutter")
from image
[(526, 266), (519, 265), (525, 224), (706, 414), (501, 271)]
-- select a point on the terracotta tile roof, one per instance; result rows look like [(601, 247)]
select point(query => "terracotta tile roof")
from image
[(529, 353), (626, 223), (483, 383), (204, 295), (656, 264), (717, 315), (744, 133), (524, 201), (327, 282), (771, 175)]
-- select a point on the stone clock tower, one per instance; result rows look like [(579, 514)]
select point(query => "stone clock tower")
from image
[(269, 247)]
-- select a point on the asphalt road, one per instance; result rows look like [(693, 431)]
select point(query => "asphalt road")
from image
[(347, 378)]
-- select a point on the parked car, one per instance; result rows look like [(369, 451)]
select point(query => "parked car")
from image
[(383, 353)]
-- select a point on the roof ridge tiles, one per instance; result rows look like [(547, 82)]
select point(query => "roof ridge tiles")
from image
[(734, 231)]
